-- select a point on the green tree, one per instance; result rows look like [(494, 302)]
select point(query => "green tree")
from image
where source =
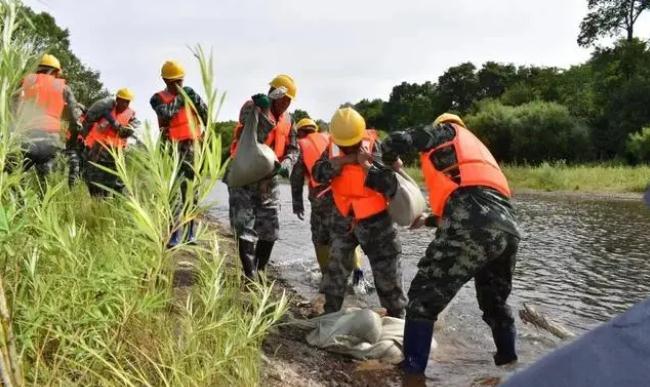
[(458, 88), (609, 18), (494, 78), (411, 104), (373, 112), (47, 36), (299, 114), (226, 129), (638, 146)]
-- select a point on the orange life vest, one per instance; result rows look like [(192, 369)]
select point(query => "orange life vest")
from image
[(105, 134), (278, 137), (46, 92), (476, 165), (312, 147), (185, 125), (349, 190)]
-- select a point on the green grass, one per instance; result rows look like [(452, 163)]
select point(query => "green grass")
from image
[(85, 284), (580, 178)]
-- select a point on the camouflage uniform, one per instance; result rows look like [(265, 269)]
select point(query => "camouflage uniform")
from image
[(98, 154), (477, 237), (40, 148), (165, 112), (378, 239), (254, 207)]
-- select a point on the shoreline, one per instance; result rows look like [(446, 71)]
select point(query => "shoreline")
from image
[(286, 358)]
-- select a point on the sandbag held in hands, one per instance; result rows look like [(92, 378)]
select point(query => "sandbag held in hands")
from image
[(408, 203), (253, 161)]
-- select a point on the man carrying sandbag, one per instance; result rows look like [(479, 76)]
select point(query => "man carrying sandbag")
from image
[(181, 125), (312, 145), (254, 206), (360, 188), (476, 235), (108, 125)]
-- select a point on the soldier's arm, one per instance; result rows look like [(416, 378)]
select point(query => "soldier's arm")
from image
[(297, 180), (420, 139), (71, 110), (292, 152), (324, 171), (199, 104), (165, 112), (380, 177)]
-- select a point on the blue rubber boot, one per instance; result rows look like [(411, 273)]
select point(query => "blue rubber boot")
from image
[(191, 236), (417, 345), (174, 239), (504, 339)]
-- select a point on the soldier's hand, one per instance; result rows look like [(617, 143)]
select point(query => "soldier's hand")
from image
[(262, 101), (397, 164), (364, 158), (419, 222)]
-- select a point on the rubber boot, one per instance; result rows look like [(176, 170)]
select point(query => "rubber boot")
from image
[(191, 237), (357, 274), (323, 257), (247, 258), (332, 303), (504, 339), (174, 239), (417, 345), (263, 254)]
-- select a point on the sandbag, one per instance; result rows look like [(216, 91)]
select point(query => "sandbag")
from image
[(360, 333), (253, 161), (408, 203)]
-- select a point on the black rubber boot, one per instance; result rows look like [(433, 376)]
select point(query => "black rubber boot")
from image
[(247, 258), (263, 254), (504, 339), (417, 345), (332, 303)]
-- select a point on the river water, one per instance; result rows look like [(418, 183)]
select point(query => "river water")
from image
[(582, 260)]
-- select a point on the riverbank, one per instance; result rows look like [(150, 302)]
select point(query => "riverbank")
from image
[(287, 359), (598, 179)]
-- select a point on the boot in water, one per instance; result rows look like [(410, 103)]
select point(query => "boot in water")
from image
[(417, 345), (504, 339)]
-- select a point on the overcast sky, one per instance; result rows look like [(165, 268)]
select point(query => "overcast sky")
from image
[(338, 51)]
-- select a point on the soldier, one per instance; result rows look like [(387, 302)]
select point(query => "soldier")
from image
[(312, 144), (476, 236), (360, 188), (43, 99), (181, 127), (108, 124), (254, 207)]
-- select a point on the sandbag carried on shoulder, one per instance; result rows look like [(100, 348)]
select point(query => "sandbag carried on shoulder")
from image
[(253, 161), (408, 203)]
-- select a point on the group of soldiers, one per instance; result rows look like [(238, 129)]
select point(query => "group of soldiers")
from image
[(351, 178)]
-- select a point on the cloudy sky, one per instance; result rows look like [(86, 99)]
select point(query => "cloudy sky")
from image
[(337, 50)]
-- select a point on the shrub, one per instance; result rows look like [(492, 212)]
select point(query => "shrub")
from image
[(637, 146)]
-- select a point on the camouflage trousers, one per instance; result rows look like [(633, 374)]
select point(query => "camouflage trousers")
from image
[(378, 239), (320, 218), (40, 155), (95, 177), (254, 210), (457, 255)]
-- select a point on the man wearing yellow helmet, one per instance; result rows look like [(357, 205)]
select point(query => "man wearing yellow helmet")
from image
[(361, 185), (476, 235), (312, 144), (254, 207), (43, 100), (180, 125), (108, 124)]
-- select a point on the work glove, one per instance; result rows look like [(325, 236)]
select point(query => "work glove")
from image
[(284, 168), (300, 214), (262, 101)]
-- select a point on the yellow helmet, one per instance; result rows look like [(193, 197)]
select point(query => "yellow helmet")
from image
[(347, 127), (172, 70), (125, 94), (448, 117), (50, 61), (287, 82), (305, 123)]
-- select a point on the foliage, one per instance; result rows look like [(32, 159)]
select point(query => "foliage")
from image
[(85, 290), (225, 129), (46, 36), (533, 132), (299, 114), (606, 18), (638, 146)]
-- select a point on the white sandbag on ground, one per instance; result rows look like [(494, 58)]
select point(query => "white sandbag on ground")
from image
[(253, 161), (360, 333), (408, 203)]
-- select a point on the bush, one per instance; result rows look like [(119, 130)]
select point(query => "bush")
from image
[(534, 132), (637, 146)]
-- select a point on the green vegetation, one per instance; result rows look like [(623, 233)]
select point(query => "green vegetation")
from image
[(581, 178), (86, 285)]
